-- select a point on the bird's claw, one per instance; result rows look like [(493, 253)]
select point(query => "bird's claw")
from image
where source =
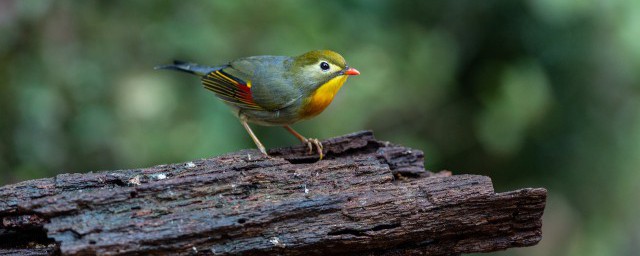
[(314, 142), (263, 150)]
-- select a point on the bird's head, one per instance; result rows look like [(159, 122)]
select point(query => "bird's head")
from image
[(316, 68), (320, 74)]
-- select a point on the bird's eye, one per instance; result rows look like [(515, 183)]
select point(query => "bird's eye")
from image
[(324, 66)]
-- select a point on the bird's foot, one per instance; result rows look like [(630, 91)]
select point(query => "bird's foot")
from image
[(314, 143), (263, 150)]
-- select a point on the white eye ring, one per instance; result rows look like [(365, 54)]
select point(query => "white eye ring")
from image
[(324, 66)]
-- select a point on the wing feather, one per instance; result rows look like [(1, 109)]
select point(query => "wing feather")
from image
[(231, 89)]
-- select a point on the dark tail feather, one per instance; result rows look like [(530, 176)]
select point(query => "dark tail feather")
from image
[(187, 67)]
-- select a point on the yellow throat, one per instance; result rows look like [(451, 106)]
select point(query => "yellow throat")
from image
[(322, 97)]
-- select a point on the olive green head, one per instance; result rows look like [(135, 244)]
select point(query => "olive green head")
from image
[(315, 68), (313, 57)]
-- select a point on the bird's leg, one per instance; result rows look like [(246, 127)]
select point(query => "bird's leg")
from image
[(309, 142), (253, 136)]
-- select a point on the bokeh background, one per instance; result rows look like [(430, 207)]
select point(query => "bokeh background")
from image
[(535, 93)]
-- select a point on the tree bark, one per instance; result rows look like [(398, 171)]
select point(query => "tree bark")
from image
[(367, 197)]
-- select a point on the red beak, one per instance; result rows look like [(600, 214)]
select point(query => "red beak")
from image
[(351, 72)]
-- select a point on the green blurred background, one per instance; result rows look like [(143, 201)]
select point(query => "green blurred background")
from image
[(538, 93)]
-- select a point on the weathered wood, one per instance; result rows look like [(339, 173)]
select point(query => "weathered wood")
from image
[(366, 198)]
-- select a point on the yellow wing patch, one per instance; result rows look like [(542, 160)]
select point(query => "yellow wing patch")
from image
[(230, 89)]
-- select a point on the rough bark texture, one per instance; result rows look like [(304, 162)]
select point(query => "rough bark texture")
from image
[(367, 197)]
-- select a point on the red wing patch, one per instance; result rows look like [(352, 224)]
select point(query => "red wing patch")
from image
[(230, 89)]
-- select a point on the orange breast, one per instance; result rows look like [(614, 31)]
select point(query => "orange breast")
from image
[(322, 97)]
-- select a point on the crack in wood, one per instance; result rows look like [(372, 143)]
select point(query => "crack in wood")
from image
[(363, 232)]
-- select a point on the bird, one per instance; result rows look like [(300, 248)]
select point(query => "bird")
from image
[(275, 90)]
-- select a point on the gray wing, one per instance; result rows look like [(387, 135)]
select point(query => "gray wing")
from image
[(271, 86)]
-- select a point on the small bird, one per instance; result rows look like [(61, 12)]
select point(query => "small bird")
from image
[(275, 90)]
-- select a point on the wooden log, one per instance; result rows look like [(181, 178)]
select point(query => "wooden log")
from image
[(367, 197)]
